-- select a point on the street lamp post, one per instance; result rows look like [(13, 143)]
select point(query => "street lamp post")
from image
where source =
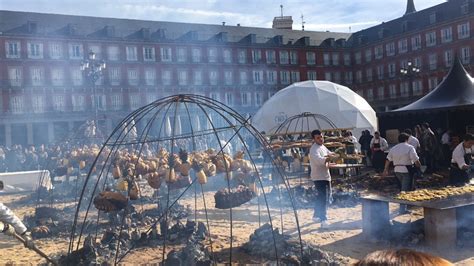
[(92, 69), (410, 72)]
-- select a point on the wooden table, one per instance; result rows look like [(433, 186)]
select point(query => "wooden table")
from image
[(442, 217)]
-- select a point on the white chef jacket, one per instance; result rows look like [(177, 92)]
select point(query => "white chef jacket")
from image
[(458, 154), (317, 160), (402, 154), (383, 143), (7, 216), (413, 141)]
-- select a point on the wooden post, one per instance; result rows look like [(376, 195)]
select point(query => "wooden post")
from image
[(375, 219), (440, 228)]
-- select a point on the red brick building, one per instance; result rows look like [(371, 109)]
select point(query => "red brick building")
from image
[(44, 93)]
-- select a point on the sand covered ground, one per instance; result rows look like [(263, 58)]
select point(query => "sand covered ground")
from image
[(343, 236)]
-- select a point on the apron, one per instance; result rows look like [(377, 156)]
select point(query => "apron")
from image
[(458, 176)]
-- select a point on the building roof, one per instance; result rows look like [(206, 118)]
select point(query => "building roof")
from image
[(456, 91), (412, 22), (17, 23)]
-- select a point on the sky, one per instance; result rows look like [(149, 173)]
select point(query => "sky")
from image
[(318, 15)]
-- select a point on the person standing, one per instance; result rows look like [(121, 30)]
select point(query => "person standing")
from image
[(403, 156), (378, 145), (446, 147), (319, 160), (412, 140), (461, 161), (428, 146)]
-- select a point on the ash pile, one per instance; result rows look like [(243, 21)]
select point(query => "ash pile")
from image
[(263, 241), (409, 233), (194, 253), (48, 222)]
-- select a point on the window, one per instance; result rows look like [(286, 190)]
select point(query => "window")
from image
[(228, 79), (368, 55), (271, 77), (463, 31), (432, 83), (370, 94), (380, 70), (369, 74), (358, 58), (13, 49), (402, 46), (404, 89), (258, 99), (114, 76), (166, 77), (404, 63), (285, 77), (326, 59), (327, 76), (96, 50), (165, 54), (257, 77), (431, 39), (242, 56), (181, 54), (196, 54), (381, 93), (256, 56), (379, 52), (416, 42), (197, 77), (78, 103), (213, 78), (417, 87), (311, 58), (293, 57), (284, 57), (245, 98), (227, 56), (37, 76), (76, 76), (57, 76), (229, 99), (17, 104), (212, 55), (55, 50), (215, 96), (243, 78), (132, 75), (311, 75), (448, 58), (392, 70), (100, 101), (148, 53), (35, 50), (359, 76), (347, 59), (348, 77), (135, 101), (151, 97), (131, 52), (150, 77), (59, 103), (392, 90), (446, 35), (335, 59), (15, 76), (182, 77), (417, 62), (433, 58), (295, 76), (116, 102), (433, 18), (113, 53), (390, 49), (466, 55), (76, 51), (337, 77)]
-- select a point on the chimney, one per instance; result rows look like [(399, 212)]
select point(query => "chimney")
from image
[(223, 23), (410, 7)]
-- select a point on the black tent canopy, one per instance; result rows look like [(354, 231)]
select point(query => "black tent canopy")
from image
[(449, 105), (456, 91)]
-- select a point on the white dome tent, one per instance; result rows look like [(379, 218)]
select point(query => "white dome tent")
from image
[(341, 105)]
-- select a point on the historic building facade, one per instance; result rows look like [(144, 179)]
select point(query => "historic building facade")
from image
[(45, 94)]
